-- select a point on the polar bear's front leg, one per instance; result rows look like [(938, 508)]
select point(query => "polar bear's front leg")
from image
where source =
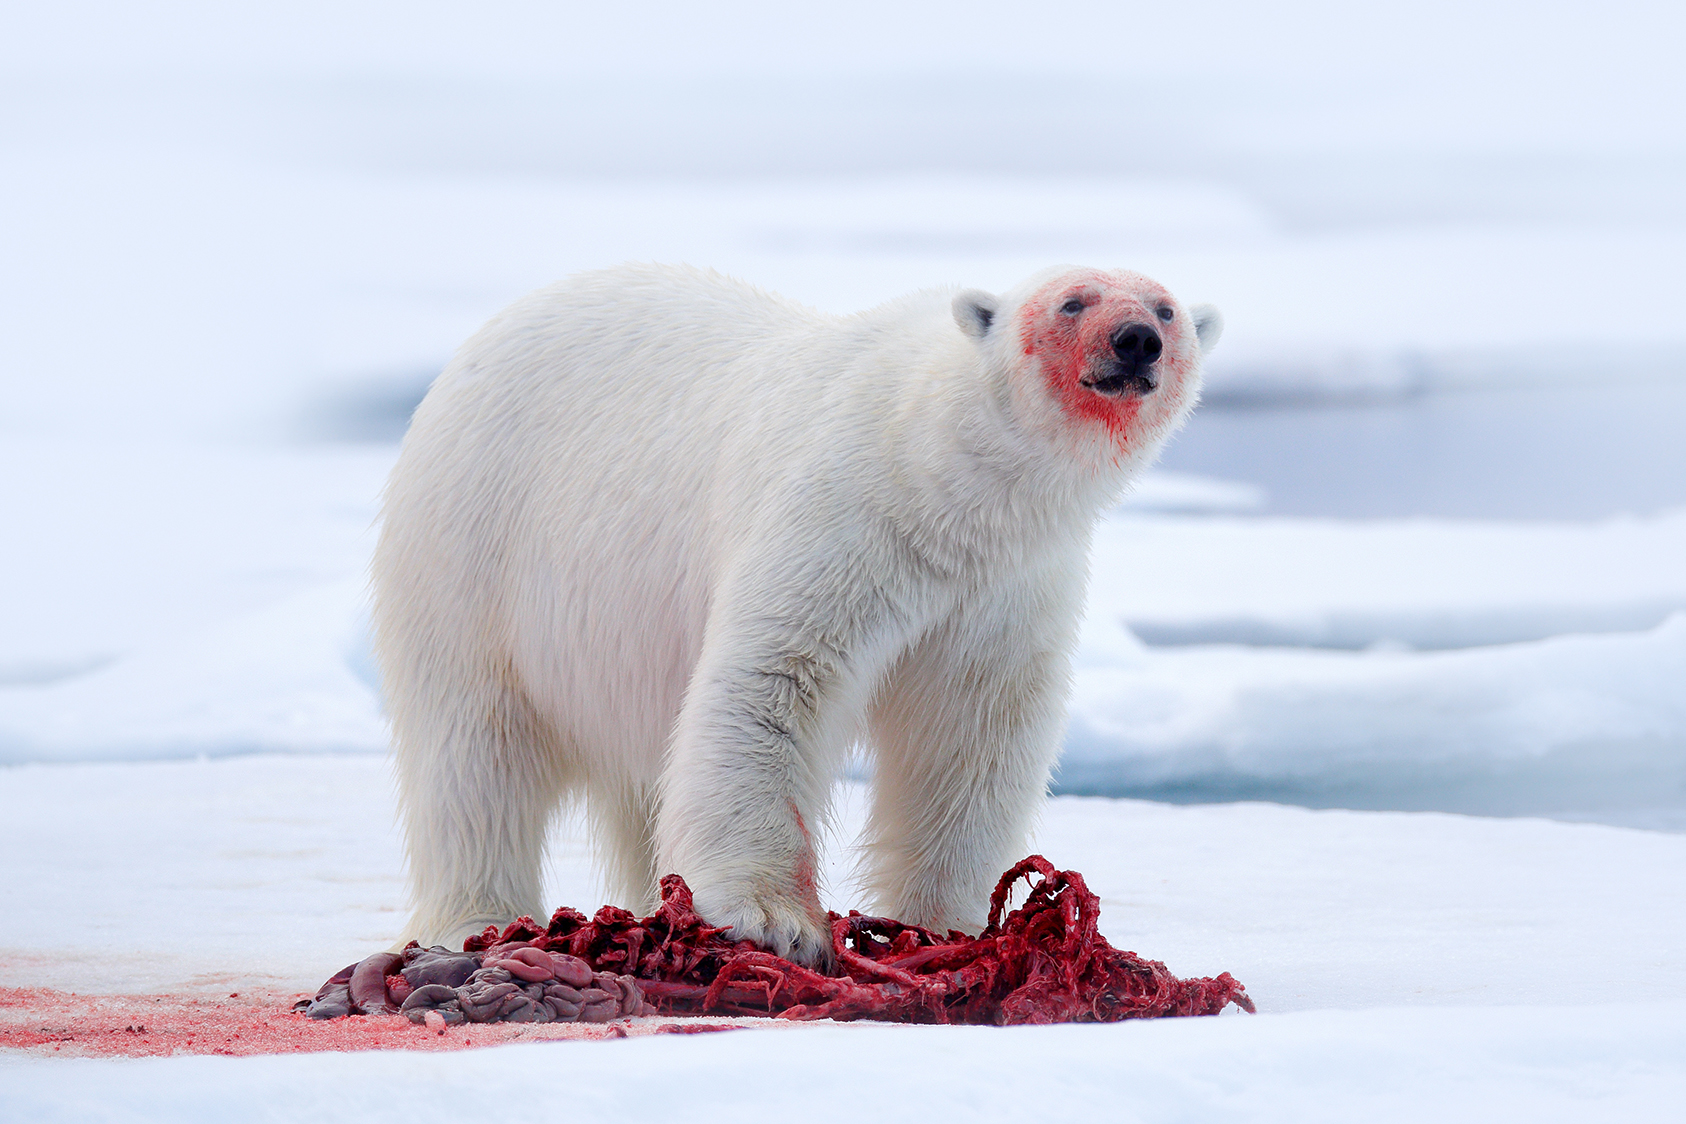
[(770, 712), (966, 731)]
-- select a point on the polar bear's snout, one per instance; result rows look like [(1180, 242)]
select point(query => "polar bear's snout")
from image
[(1129, 370), (1136, 348)]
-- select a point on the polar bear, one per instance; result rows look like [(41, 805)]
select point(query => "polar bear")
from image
[(675, 544)]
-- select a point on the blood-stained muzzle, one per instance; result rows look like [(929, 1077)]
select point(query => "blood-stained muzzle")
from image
[(1130, 369)]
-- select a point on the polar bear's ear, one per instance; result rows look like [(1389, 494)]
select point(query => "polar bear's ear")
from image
[(1208, 325), (974, 311)]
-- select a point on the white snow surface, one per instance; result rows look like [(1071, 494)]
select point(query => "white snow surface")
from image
[(1573, 724), (1409, 583), (1402, 963), (1551, 683), (1619, 1062)]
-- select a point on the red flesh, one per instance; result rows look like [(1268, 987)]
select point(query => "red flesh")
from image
[(1043, 962)]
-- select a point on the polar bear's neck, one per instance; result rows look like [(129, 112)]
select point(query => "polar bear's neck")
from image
[(968, 480)]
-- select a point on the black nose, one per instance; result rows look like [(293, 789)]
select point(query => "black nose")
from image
[(1137, 346)]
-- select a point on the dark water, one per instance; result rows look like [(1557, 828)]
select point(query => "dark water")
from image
[(1555, 453)]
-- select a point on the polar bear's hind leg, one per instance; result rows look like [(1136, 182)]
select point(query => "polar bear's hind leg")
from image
[(480, 780)]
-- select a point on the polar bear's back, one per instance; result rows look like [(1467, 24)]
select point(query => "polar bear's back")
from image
[(650, 352)]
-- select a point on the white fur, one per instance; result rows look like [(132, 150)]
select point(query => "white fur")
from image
[(673, 543)]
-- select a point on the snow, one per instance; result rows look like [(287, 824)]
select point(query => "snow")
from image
[(1577, 725), (133, 543), (1416, 572), (1551, 1064), (1418, 583), (1163, 491), (1483, 957), (199, 600), (1501, 668)]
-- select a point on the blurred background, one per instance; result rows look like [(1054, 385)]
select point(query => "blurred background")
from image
[(1423, 545)]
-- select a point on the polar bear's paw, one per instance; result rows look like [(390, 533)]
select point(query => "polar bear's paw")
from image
[(784, 924)]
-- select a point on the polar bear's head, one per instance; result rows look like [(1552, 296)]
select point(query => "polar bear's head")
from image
[(1106, 357)]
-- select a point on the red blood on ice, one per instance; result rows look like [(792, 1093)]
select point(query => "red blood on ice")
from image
[(43, 1021)]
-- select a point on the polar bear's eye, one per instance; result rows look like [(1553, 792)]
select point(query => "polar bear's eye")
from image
[(1166, 313), (1072, 307)]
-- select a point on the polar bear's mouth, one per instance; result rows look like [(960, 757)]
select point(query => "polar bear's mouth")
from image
[(1124, 384)]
